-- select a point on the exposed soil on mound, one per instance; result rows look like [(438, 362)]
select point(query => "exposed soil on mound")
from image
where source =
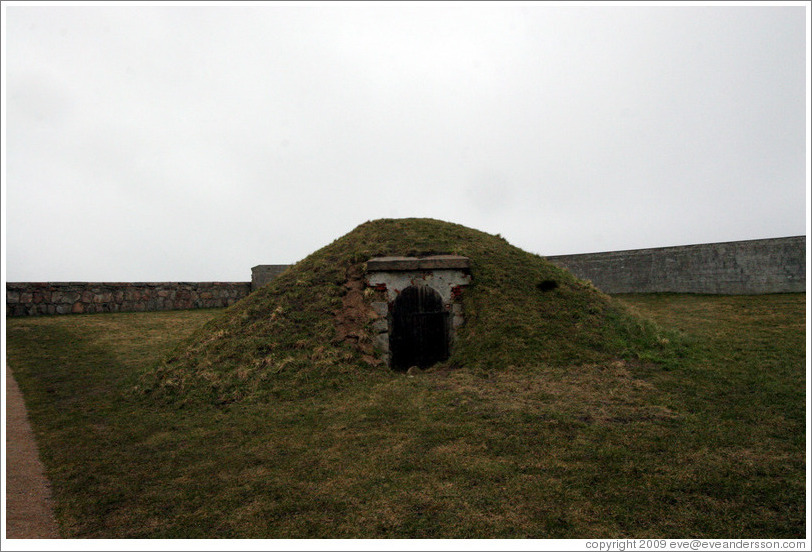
[(354, 316)]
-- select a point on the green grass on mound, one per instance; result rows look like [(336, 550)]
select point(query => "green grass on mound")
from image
[(279, 342)]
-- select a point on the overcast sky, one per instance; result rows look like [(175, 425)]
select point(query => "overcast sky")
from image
[(192, 142)]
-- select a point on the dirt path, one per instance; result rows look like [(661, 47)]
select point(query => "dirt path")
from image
[(29, 513)]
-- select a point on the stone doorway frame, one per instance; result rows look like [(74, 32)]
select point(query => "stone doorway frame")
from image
[(388, 276)]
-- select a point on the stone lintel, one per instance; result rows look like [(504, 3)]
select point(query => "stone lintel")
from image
[(439, 262), (385, 264), (435, 262)]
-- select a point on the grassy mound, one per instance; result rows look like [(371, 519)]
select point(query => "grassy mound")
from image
[(522, 313)]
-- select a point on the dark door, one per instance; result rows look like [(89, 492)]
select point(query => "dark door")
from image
[(419, 329)]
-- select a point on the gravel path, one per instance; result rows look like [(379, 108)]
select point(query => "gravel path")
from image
[(29, 512)]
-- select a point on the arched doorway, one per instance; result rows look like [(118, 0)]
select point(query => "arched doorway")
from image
[(419, 334)]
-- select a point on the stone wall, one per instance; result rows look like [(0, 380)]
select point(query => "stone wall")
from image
[(750, 267), (33, 298), (262, 274), (775, 265)]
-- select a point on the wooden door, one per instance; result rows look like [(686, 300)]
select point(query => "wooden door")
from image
[(419, 334)]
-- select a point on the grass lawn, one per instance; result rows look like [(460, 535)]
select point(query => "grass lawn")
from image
[(710, 446)]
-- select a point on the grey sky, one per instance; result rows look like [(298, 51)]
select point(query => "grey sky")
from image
[(194, 142)]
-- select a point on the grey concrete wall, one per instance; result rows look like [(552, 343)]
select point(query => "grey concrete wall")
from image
[(262, 274), (33, 298), (750, 267)]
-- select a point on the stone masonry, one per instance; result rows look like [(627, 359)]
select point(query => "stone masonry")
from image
[(33, 298)]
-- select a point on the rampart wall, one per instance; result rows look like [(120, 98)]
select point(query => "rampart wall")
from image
[(752, 267), (32, 298), (776, 265)]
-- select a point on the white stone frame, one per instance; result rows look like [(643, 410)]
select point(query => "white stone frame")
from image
[(445, 274)]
